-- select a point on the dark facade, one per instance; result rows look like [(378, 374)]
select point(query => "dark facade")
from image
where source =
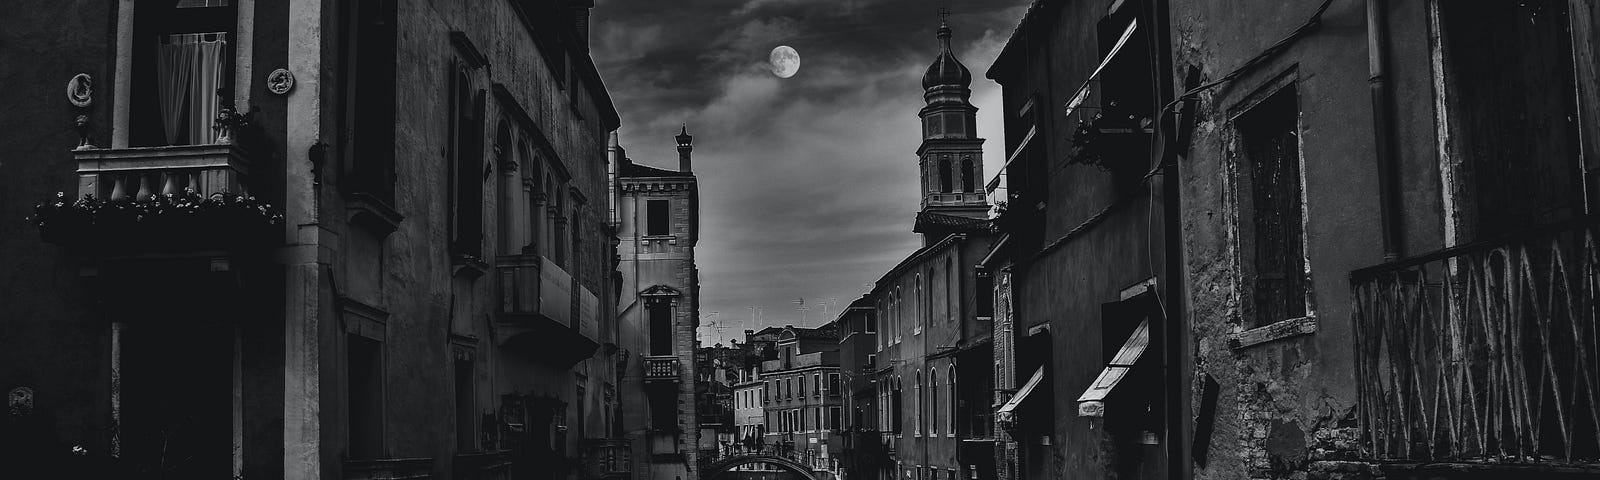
[(1440, 149), (1085, 271), (261, 254), (1350, 291)]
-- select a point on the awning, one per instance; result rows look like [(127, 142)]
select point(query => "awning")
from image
[(1005, 411), (1092, 402)]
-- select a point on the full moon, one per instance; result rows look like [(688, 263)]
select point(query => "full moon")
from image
[(785, 61)]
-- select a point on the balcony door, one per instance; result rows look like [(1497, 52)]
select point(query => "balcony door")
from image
[(1510, 114), (183, 60)]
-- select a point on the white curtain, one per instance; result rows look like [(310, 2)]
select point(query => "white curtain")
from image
[(189, 70)]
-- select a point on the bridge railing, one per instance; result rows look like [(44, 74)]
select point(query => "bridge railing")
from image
[(808, 458)]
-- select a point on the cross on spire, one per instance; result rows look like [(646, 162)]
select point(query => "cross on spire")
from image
[(944, 15)]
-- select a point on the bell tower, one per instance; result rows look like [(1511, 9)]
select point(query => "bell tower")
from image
[(951, 154)]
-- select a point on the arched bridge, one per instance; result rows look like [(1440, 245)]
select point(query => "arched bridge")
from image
[(786, 458)]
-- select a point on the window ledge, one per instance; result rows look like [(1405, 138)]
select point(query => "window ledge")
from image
[(372, 213), (468, 266), (1285, 329)]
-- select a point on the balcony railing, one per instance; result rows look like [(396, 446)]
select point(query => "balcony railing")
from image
[(389, 469), (1485, 351), (519, 283), (138, 173), (182, 198), (661, 368), (537, 313), (609, 458)]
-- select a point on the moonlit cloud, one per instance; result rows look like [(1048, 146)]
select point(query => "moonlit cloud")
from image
[(808, 184)]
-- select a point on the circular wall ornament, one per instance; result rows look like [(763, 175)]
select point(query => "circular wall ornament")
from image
[(79, 90), (280, 81), (20, 400)]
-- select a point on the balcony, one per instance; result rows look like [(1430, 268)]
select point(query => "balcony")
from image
[(1485, 352), (609, 458), (180, 197), (661, 368), (536, 313)]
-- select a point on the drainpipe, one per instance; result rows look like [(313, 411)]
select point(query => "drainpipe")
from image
[(1383, 128)]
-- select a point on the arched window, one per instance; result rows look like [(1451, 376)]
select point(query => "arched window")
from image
[(944, 174), (968, 178), (916, 303), (530, 198), (950, 386), (506, 211), (933, 401), (916, 416)]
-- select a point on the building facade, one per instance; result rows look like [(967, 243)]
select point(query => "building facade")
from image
[(1389, 191), (1085, 275), (659, 309), (247, 179), (804, 410), (1350, 289), (932, 359)]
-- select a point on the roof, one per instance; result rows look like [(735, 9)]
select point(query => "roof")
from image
[(946, 70), (630, 169), (1035, 12), (930, 219)]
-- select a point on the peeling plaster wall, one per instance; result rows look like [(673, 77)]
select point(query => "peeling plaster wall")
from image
[(1284, 407)]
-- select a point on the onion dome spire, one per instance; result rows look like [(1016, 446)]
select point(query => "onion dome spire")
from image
[(946, 71)]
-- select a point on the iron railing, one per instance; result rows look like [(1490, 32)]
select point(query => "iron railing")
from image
[(661, 367), (1483, 352)]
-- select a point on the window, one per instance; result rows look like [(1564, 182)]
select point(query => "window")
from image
[(466, 144), (816, 417), (659, 219), (835, 417), (802, 387), (466, 408), (968, 176), (916, 300), (985, 303), (364, 381), (816, 385), (950, 410), (897, 410), (933, 402), (1274, 238), (944, 174), (660, 327), (508, 210), (833, 384), (366, 81), (184, 76), (916, 412)]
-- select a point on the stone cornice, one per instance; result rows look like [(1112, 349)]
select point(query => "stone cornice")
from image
[(658, 185)]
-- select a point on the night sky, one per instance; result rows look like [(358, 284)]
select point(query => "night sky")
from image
[(808, 185)]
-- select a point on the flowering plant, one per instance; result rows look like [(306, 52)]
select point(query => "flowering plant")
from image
[(180, 214)]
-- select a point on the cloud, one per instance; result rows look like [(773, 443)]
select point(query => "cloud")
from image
[(809, 185)]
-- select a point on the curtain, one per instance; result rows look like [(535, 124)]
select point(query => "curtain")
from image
[(189, 71)]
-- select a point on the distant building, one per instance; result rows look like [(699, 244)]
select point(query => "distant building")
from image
[(804, 407), (659, 308)]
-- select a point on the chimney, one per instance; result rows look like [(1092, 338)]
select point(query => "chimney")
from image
[(685, 145)]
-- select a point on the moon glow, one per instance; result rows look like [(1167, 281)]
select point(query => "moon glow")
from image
[(784, 61)]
